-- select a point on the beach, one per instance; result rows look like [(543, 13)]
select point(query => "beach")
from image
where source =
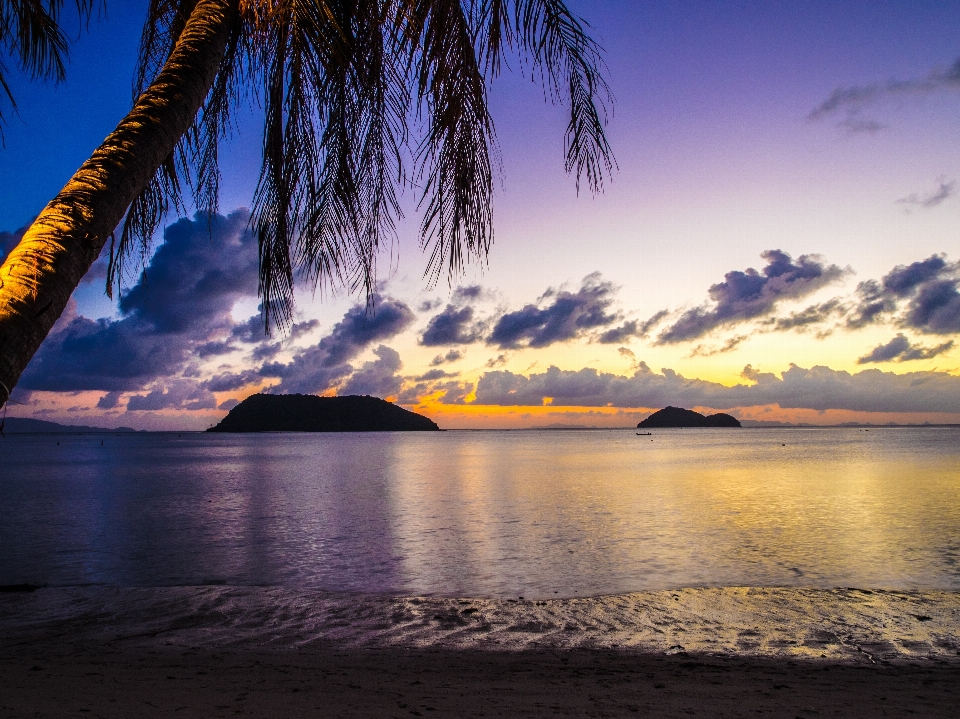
[(269, 651)]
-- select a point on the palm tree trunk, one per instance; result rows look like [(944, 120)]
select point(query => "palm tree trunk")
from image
[(40, 274)]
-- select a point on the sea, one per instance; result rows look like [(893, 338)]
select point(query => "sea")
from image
[(535, 513)]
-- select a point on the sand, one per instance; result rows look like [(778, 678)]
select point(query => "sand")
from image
[(273, 652)]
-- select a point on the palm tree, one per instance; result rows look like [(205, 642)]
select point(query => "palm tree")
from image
[(345, 85)]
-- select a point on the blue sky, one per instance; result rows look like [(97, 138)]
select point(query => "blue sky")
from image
[(827, 131)]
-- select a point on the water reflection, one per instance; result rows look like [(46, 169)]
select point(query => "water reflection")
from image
[(486, 513)]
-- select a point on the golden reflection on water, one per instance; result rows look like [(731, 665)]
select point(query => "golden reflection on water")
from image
[(487, 513), (820, 508)]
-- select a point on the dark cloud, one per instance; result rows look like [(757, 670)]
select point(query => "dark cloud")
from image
[(110, 400), (411, 394), (646, 328), (851, 101), (360, 328), (728, 346), (936, 308), (324, 365), (497, 361), (872, 304), (931, 199), (451, 356), (901, 350), (434, 374), (903, 279), (378, 378), (746, 295), (615, 335), (807, 317), (300, 329), (429, 305), (180, 303), (817, 388), (470, 293), (928, 287), (455, 392), (230, 381), (567, 316), (453, 326), (228, 404), (179, 394)]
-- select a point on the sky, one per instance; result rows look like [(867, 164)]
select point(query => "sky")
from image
[(781, 241)]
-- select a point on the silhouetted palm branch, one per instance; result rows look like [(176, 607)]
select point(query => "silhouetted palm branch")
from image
[(30, 32), (341, 84)]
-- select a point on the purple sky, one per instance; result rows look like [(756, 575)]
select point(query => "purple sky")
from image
[(826, 129)]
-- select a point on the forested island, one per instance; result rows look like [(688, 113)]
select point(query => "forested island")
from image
[(679, 417), (309, 413)]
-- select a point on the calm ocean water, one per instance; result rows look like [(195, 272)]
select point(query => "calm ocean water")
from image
[(500, 514)]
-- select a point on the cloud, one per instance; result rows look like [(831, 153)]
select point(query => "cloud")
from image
[(469, 293), (451, 356), (936, 308), (901, 350), (615, 335), (230, 381), (817, 388), (851, 101), (434, 374), (180, 303), (454, 392), (929, 289), (324, 365), (932, 199), (567, 316), (728, 346), (812, 315), (746, 295), (378, 378), (178, 394), (453, 326), (111, 400)]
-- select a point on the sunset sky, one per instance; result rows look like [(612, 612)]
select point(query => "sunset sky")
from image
[(781, 242)]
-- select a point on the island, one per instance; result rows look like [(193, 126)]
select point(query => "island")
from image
[(309, 413), (679, 417), (26, 425)]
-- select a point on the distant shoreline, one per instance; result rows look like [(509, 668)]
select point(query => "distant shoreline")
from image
[(80, 430)]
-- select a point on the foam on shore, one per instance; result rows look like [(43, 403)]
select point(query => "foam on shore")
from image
[(841, 625)]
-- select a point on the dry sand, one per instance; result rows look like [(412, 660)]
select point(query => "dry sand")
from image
[(272, 652)]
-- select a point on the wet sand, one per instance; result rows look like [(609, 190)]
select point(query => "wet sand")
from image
[(271, 652)]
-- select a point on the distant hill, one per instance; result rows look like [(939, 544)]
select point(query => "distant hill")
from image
[(25, 425), (309, 413), (679, 417)]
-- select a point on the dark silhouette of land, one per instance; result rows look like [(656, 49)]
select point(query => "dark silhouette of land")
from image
[(309, 413), (679, 417), (26, 425)]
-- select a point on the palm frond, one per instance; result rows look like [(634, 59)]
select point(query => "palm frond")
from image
[(30, 32), (455, 156), (569, 63), (340, 83)]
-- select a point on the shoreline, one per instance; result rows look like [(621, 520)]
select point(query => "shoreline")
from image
[(219, 651), (839, 625)]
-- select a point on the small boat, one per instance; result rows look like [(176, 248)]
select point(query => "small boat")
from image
[(644, 434)]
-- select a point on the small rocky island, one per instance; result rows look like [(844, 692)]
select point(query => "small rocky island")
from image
[(309, 413), (679, 417)]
